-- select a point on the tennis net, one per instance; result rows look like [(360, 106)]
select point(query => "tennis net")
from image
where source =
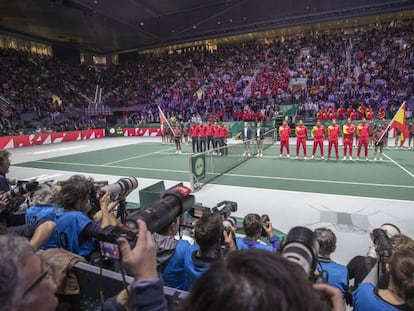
[(208, 165)]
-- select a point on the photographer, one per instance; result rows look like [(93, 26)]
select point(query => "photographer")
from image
[(258, 280), (365, 268), (147, 292), (208, 234), (74, 229), (399, 294), (253, 227), (170, 255), (37, 232), (337, 273)]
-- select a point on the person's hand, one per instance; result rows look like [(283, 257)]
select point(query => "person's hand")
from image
[(141, 260), (229, 239), (268, 227), (333, 294), (3, 202), (105, 201)]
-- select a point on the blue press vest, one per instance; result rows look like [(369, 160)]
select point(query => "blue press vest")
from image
[(40, 212), (173, 271), (193, 272), (243, 244), (338, 275), (365, 299), (69, 226)]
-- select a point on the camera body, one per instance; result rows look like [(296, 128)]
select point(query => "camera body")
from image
[(264, 219), (383, 244)]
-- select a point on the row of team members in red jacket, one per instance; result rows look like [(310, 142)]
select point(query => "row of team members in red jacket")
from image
[(208, 136), (332, 132)]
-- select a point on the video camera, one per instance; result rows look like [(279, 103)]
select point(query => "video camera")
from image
[(157, 216), (227, 207)]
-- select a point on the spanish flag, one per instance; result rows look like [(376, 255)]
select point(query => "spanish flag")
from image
[(163, 119), (399, 123)]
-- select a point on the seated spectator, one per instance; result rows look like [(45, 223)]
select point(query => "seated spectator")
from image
[(208, 234), (25, 281), (170, 256), (74, 229), (253, 227), (258, 280), (337, 273), (399, 294)]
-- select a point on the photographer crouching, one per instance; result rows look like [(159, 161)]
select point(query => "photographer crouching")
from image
[(254, 227), (74, 229), (210, 236)]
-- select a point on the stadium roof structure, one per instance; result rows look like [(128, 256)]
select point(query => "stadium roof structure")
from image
[(106, 26)]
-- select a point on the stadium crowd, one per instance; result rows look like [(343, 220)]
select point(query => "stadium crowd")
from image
[(215, 265), (364, 72)]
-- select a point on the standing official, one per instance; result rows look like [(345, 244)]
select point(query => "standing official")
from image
[(223, 133), (348, 130), (301, 134), (210, 136), (379, 140), (284, 134), (217, 141), (318, 133), (363, 138), (411, 135), (194, 137), (202, 134), (177, 139), (246, 135), (333, 134), (259, 135)]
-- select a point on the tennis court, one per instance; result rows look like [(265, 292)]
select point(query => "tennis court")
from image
[(392, 178)]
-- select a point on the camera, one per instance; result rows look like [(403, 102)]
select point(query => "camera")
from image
[(264, 219), (156, 215), (383, 244), (300, 246), (122, 187), (227, 207), (22, 189)]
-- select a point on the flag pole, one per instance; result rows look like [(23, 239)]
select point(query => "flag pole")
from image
[(389, 124), (166, 120)]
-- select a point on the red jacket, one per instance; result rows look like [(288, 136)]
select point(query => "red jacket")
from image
[(333, 131), (209, 130), (202, 131), (318, 132), (224, 133), (194, 130), (363, 130), (301, 132), (284, 132), (348, 130)]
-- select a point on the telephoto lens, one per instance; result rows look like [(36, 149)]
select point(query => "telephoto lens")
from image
[(301, 247), (122, 187), (160, 213)]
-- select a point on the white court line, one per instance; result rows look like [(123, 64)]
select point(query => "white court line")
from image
[(322, 181), (136, 157), (236, 175), (400, 166)]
